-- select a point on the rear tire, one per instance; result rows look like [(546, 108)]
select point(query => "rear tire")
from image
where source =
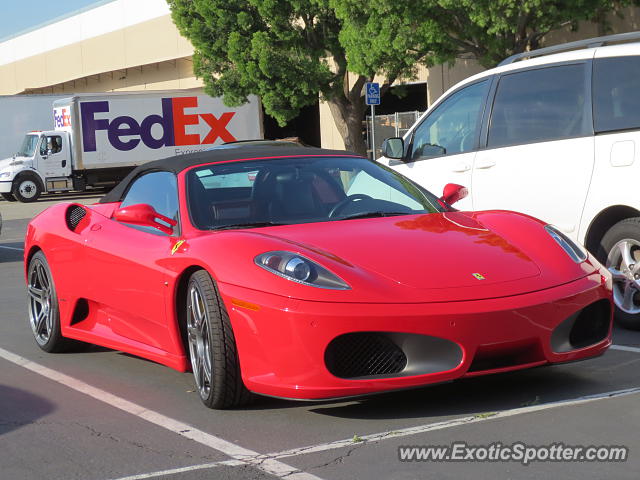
[(8, 197), (212, 346), (27, 188), (620, 253), (44, 315)]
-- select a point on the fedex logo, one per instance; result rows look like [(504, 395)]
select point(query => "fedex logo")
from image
[(62, 117), (173, 122)]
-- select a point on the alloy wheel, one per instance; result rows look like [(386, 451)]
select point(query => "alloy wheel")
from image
[(199, 339), (40, 306), (623, 262)]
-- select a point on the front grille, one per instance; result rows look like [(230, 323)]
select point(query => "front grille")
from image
[(509, 354), (364, 354), (75, 213)]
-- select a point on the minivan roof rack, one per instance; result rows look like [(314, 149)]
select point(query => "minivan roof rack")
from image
[(564, 47)]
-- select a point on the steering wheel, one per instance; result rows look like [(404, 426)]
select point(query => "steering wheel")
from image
[(346, 201)]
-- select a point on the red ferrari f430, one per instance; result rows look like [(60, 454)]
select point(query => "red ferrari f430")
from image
[(308, 274)]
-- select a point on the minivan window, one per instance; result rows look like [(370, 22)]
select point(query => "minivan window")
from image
[(453, 126), (616, 96), (539, 105)]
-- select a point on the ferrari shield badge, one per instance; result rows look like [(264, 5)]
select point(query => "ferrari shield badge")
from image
[(478, 276), (179, 243)]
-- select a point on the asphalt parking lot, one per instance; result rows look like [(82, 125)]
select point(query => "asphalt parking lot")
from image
[(103, 415)]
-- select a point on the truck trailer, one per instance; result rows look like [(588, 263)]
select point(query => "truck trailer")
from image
[(21, 113), (98, 138)]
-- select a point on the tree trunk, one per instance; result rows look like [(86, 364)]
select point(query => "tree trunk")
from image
[(348, 118)]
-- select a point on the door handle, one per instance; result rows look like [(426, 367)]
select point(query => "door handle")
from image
[(487, 163), (462, 167)]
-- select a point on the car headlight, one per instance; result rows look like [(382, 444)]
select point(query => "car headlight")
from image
[(5, 174), (299, 269), (576, 253)]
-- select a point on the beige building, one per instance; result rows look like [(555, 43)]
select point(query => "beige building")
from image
[(133, 45), (119, 45)]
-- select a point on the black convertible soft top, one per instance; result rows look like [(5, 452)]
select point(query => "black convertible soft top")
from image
[(236, 151)]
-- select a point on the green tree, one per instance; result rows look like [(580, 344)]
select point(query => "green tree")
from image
[(438, 31), (286, 51)]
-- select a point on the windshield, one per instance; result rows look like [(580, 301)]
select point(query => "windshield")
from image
[(28, 146), (300, 190)]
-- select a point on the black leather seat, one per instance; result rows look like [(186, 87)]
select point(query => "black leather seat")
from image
[(286, 194), (199, 205)]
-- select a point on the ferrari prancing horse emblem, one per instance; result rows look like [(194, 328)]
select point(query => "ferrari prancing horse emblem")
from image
[(177, 246), (478, 276)]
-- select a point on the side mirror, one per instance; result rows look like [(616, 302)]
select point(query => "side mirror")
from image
[(453, 192), (393, 148), (146, 216)]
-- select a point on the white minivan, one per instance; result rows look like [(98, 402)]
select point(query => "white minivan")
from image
[(554, 133)]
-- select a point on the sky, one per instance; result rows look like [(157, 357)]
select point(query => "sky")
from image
[(20, 15)]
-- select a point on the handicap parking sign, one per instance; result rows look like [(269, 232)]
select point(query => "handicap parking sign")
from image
[(372, 93)]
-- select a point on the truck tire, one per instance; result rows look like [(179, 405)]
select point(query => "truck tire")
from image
[(27, 188), (8, 197), (620, 253), (79, 184)]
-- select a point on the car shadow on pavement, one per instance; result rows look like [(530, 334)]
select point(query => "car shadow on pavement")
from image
[(472, 396), (19, 408), (461, 397)]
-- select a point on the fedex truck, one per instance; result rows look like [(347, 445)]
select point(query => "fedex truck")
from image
[(99, 138)]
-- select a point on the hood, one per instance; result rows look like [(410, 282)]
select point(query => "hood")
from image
[(6, 162), (408, 259), (433, 251)]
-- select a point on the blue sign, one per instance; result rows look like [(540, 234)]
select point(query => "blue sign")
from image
[(372, 93)]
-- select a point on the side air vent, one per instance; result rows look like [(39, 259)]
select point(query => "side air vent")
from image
[(364, 354), (584, 328), (75, 213)]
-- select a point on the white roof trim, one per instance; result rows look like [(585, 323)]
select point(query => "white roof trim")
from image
[(106, 18)]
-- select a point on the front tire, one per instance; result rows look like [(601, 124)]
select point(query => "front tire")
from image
[(8, 197), (27, 188), (212, 346), (44, 315), (620, 253)]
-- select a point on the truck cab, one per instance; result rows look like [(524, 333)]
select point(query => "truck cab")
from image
[(42, 164)]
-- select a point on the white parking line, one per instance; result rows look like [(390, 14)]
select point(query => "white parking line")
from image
[(13, 248), (453, 423), (625, 348), (173, 471), (244, 455), (404, 432)]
